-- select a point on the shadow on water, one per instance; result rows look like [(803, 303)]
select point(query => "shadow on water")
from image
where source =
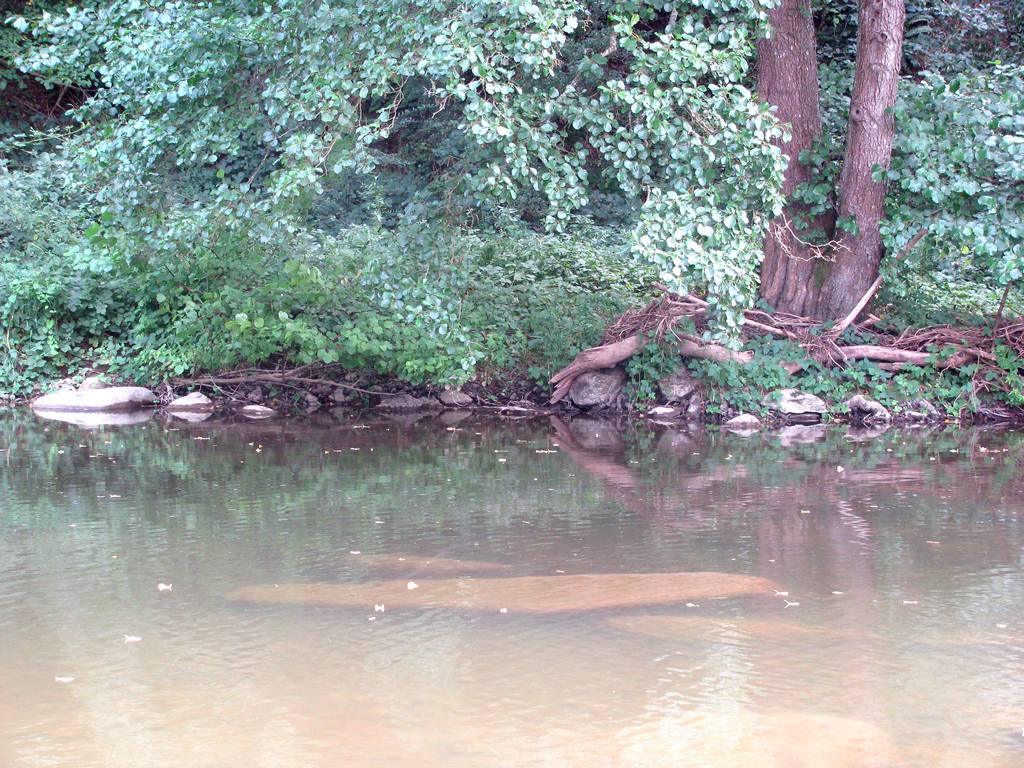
[(890, 632)]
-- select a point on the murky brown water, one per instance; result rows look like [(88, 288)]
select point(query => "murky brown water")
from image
[(897, 639)]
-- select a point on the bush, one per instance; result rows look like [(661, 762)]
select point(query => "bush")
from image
[(76, 292)]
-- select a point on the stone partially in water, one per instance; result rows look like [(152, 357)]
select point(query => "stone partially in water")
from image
[(455, 398), (867, 411), (709, 628), (597, 388), (406, 402), (705, 739), (524, 594), (410, 565), (193, 401), (96, 400), (795, 404), (257, 411)]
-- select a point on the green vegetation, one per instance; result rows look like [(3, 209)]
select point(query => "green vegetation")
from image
[(449, 191)]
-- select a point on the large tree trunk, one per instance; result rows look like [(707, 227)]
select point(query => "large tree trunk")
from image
[(787, 78), (868, 144)]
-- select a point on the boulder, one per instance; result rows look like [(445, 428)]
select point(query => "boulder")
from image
[(520, 594), (93, 382), (90, 400), (867, 411), (257, 411), (193, 401), (745, 421), (404, 402), (597, 388), (796, 405), (455, 398), (678, 386)]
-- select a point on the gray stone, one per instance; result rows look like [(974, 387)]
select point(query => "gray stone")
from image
[(311, 402), (744, 421), (193, 401), (597, 388), (663, 412), (257, 411), (793, 402), (678, 386), (95, 400), (404, 402), (455, 398), (867, 411), (93, 382)]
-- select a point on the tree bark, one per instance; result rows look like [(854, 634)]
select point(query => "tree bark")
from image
[(787, 78), (868, 144)]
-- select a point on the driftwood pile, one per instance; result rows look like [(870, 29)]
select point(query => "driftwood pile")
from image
[(942, 345)]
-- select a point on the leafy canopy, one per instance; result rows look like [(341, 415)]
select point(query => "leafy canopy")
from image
[(237, 113)]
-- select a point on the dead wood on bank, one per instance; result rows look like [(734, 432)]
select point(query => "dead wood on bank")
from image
[(680, 319)]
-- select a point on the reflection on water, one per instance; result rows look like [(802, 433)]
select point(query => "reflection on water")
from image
[(886, 627)]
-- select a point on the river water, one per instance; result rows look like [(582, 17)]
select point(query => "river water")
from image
[(334, 595)]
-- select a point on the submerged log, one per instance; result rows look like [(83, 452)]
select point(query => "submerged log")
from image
[(524, 594)]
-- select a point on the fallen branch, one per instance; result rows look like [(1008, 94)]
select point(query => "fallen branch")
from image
[(945, 346)]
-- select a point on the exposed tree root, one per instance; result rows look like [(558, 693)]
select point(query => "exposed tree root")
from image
[(681, 318)]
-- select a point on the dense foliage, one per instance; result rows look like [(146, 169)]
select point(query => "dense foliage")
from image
[(439, 190)]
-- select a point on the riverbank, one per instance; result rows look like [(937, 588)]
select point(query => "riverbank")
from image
[(677, 398)]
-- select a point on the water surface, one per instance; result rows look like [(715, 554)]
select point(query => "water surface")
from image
[(896, 637)]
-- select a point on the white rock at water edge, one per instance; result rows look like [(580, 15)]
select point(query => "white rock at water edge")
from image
[(257, 411), (794, 402), (678, 386), (744, 421), (193, 401), (106, 399)]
